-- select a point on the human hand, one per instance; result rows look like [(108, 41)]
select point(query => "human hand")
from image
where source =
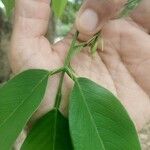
[(93, 15), (123, 66)]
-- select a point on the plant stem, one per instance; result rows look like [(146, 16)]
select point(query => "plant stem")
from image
[(59, 91), (90, 41), (66, 68), (71, 50), (71, 74), (56, 71), (66, 65)]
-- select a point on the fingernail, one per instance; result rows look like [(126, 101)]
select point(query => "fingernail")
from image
[(88, 20)]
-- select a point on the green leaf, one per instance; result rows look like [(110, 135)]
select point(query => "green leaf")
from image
[(94, 47), (9, 4), (129, 6), (58, 7), (19, 98), (98, 121), (51, 132)]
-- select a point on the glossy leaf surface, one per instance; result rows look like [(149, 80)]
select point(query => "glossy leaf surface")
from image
[(98, 121), (19, 98), (51, 132)]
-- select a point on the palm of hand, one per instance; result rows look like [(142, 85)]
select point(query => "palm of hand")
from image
[(123, 66)]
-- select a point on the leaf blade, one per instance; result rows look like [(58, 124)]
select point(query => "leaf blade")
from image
[(9, 4), (17, 105), (58, 7), (100, 107), (54, 135)]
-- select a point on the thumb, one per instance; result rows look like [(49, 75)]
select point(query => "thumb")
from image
[(94, 14)]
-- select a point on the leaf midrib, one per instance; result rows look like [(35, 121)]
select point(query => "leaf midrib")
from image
[(92, 120), (55, 123), (23, 101)]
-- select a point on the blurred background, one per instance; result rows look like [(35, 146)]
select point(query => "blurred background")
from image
[(58, 28)]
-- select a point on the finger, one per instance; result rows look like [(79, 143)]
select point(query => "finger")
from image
[(141, 14), (133, 46), (31, 18), (94, 14), (126, 55)]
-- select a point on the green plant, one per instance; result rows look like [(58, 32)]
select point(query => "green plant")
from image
[(94, 122)]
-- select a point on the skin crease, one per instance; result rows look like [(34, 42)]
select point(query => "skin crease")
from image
[(123, 67)]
